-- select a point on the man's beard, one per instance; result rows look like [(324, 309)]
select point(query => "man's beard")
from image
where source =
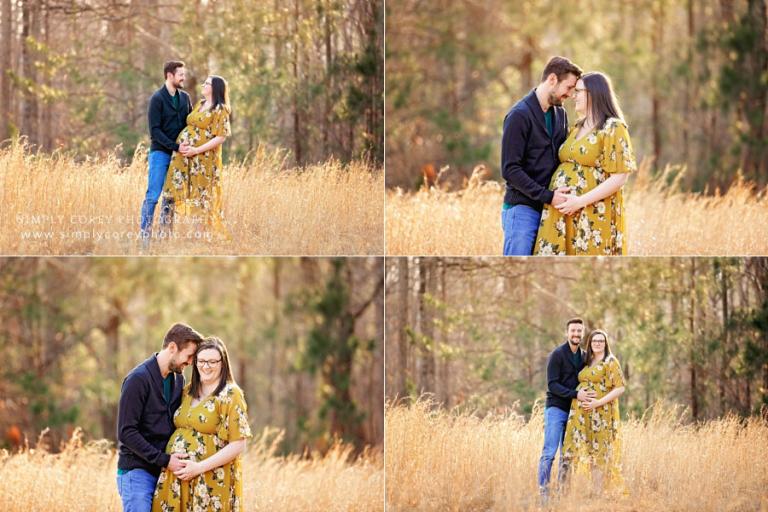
[(179, 85), (572, 342), (175, 368), (555, 100)]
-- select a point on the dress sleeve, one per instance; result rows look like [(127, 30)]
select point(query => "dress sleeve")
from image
[(617, 155), (220, 126), (233, 423), (615, 375)]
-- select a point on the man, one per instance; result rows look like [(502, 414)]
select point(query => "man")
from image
[(534, 130), (168, 111), (150, 395), (563, 367)]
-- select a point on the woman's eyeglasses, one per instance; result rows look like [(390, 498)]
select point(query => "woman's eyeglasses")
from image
[(210, 364)]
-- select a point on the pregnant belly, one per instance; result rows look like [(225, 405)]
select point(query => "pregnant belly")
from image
[(580, 178), (197, 445), (183, 136)]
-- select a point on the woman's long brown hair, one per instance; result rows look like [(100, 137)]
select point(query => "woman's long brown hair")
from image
[(601, 101)]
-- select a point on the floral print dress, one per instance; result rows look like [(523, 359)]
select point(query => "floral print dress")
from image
[(201, 431), (193, 184), (599, 229), (592, 437)]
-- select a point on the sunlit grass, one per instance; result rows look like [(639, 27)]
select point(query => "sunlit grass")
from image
[(438, 460), (660, 221), (83, 478), (57, 204)]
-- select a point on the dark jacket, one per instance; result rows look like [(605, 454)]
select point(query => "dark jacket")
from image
[(529, 154), (144, 419), (165, 121), (562, 377)]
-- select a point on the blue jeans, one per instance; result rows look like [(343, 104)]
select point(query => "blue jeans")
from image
[(521, 225), (136, 488), (555, 420), (158, 168)]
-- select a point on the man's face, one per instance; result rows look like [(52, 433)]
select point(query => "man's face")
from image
[(575, 333), (562, 90), (178, 78), (182, 359)]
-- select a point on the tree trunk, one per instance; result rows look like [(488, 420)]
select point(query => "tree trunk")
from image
[(29, 111), (426, 326), (5, 68), (723, 271), (692, 343), (401, 323), (297, 147), (657, 44)]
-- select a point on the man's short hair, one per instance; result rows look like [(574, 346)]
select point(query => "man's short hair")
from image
[(561, 67), (171, 66), (182, 335), (575, 320)]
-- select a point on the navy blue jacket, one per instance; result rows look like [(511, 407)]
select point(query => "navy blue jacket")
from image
[(562, 377), (165, 121), (144, 419), (528, 154)]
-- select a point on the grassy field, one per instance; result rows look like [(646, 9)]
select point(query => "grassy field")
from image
[(82, 478), (441, 461), (55, 204), (660, 222)]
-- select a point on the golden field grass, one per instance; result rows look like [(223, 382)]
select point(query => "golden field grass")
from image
[(660, 222), (55, 204), (442, 461), (83, 478)]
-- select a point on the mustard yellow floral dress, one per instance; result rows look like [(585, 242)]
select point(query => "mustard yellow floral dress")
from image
[(599, 229), (201, 431), (194, 183), (592, 437)]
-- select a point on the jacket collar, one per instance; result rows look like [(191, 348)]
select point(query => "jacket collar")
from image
[(533, 104), (154, 371), (567, 350), (169, 99)]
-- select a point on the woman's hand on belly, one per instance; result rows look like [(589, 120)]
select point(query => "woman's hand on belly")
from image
[(189, 470), (571, 205)]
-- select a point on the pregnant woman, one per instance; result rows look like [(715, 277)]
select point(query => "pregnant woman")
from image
[(592, 442), (211, 428), (595, 161), (193, 182)]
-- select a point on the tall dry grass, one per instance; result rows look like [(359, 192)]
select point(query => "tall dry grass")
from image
[(660, 221), (441, 461), (83, 478), (55, 204)]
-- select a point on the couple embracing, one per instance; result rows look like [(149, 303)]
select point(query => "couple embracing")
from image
[(185, 162), (564, 183), (581, 415), (179, 445)]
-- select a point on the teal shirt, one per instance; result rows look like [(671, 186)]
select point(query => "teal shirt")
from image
[(175, 99), (548, 120), (576, 357), (167, 382)]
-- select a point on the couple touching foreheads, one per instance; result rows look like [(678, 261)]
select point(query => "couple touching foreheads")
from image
[(581, 416), (564, 182), (179, 445)]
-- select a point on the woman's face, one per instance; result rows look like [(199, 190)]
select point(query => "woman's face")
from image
[(209, 365), (208, 87), (598, 345), (581, 98)]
